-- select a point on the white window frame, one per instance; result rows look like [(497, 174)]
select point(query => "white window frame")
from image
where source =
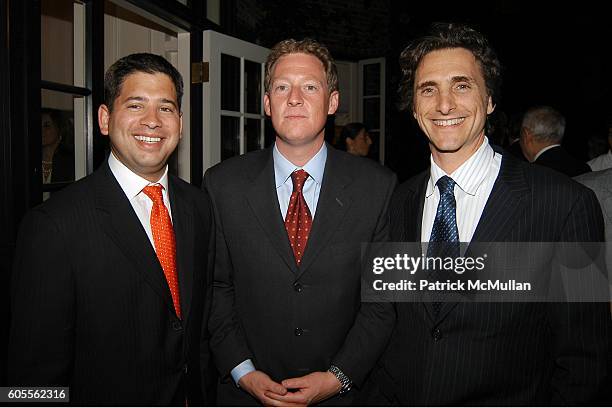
[(216, 44)]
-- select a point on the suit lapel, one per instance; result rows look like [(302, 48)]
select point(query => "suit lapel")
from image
[(413, 210), (331, 208), (122, 226), (410, 224), (504, 206), (263, 200), (183, 221)]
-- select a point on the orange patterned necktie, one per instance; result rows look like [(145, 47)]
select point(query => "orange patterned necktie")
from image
[(163, 237), (298, 220)]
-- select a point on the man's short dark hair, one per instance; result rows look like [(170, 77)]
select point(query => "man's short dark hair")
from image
[(446, 36), (141, 62)]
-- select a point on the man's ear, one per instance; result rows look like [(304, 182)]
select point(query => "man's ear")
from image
[(334, 99), (267, 104), (180, 125), (490, 106), (525, 134), (103, 119)]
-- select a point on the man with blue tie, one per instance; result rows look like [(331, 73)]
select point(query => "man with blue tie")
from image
[(287, 325), (451, 353)]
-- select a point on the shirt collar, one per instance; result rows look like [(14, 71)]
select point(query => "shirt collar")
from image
[(283, 167), (470, 175), (544, 150), (130, 182)]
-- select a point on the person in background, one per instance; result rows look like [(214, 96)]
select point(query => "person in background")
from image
[(542, 132), (603, 161), (355, 139), (57, 159)]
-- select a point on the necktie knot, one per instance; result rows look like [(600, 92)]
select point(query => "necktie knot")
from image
[(299, 178), (154, 192), (446, 185)]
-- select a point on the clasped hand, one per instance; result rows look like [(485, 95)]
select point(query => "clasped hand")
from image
[(299, 391)]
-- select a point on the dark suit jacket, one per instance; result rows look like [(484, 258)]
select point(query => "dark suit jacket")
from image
[(559, 159), (91, 308), (499, 353), (294, 320)]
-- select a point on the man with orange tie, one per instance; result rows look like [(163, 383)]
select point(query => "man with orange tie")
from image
[(111, 284), (287, 326)]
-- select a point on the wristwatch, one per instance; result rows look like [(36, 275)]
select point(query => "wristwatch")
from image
[(345, 382)]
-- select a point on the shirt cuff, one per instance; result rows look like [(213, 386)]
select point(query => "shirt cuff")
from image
[(241, 370)]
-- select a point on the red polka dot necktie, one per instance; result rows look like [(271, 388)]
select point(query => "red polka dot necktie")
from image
[(165, 245), (298, 221)]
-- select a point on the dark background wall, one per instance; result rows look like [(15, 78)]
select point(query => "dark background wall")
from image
[(552, 54)]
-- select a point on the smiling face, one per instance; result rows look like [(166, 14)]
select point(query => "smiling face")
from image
[(299, 101), (451, 105), (145, 123)]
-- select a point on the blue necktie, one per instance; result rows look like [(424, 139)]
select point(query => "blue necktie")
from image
[(444, 228)]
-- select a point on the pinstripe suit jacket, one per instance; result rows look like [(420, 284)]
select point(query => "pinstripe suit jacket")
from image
[(499, 353), (91, 308)]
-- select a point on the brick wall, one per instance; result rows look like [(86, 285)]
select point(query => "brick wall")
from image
[(352, 30)]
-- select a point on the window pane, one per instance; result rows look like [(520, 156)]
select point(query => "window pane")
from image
[(269, 133), (230, 137), (230, 83), (252, 86), (374, 152), (57, 43), (371, 79), (371, 113), (58, 137), (252, 134)]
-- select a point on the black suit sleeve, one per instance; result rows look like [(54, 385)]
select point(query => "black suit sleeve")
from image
[(208, 374), (580, 330), (227, 342), (42, 306), (374, 323)]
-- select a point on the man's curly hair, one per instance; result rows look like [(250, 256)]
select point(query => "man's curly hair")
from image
[(444, 36)]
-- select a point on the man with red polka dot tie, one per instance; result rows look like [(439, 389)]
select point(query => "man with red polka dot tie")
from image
[(287, 325)]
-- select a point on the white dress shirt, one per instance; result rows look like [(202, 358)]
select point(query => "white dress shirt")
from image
[(132, 185), (474, 182), (547, 148)]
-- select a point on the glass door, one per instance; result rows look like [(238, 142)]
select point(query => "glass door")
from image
[(234, 118)]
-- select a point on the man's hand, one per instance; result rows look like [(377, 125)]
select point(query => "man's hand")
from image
[(258, 384), (310, 389)]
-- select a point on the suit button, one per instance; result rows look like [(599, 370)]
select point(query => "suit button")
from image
[(436, 334), (298, 332), (297, 286), (177, 326)]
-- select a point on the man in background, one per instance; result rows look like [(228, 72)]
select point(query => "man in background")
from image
[(541, 135)]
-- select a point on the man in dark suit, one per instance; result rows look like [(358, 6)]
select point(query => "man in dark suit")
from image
[(541, 135), (452, 353), (111, 285), (287, 325)]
